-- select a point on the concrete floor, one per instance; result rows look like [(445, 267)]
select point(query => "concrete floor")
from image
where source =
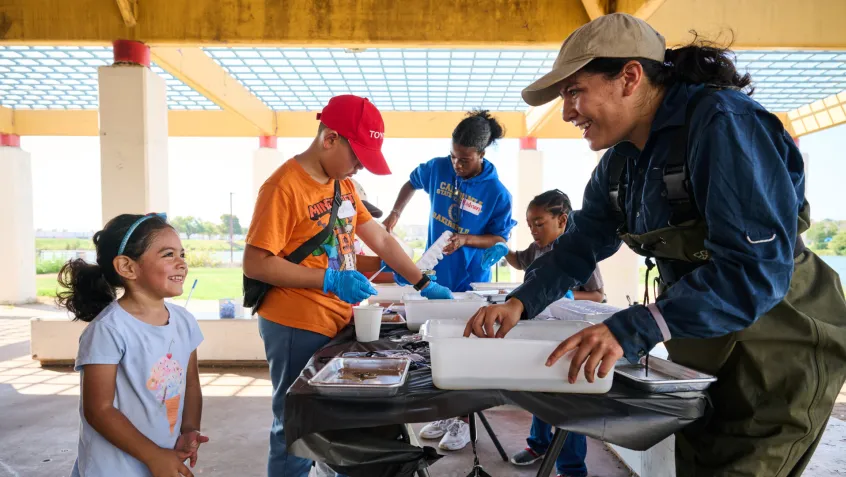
[(39, 421), (39, 437)]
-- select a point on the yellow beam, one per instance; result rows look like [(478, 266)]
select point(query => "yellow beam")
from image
[(398, 124), (556, 128), (756, 24), (431, 23), (129, 11), (7, 120), (595, 8), (197, 70), (346, 23), (817, 116), (537, 117)]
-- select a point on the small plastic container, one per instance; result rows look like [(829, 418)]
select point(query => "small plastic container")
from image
[(516, 363), (581, 310), (418, 309)]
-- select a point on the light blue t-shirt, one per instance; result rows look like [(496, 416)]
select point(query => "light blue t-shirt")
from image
[(150, 384)]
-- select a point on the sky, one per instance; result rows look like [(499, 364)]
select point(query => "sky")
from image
[(204, 171)]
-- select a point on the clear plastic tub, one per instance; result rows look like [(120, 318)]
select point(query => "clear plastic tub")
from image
[(419, 310), (581, 310), (516, 363)]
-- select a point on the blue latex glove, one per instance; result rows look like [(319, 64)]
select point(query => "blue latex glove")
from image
[(494, 254), (433, 291), (569, 295), (350, 285), (397, 277)]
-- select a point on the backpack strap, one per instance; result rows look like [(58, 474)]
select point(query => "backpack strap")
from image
[(311, 244), (676, 171), (617, 185)]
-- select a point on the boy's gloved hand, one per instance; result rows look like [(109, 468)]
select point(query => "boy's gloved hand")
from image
[(350, 285), (433, 291), (494, 254)]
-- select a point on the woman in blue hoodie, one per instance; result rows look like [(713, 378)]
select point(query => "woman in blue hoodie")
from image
[(467, 199)]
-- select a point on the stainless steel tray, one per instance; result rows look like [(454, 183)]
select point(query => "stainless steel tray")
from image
[(361, 376), (664, 376)]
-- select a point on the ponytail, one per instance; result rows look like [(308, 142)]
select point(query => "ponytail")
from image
[(87, 292), (478, 130), (700, 62)]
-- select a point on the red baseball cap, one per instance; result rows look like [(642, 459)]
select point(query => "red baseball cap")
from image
[(357, 120)]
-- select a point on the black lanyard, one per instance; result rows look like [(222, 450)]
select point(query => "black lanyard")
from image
[(456, 198)]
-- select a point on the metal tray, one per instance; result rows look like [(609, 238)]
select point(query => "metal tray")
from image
[(361, 376), (393, 318), (664, 376)]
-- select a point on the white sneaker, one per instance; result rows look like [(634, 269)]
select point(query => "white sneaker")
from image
[(457, 436), (435, 430)]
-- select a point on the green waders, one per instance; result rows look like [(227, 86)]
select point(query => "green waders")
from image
[(778, 378)]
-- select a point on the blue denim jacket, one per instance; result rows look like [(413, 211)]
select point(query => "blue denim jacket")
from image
[(748, 182)]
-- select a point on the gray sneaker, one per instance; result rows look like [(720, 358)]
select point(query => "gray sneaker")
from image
[(526, 457)]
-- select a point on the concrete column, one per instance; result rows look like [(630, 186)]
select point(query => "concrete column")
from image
[(529, 184), (266, 160), (17, 242), (133, 134)]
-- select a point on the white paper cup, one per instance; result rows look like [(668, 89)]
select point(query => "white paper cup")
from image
[(368, 319)]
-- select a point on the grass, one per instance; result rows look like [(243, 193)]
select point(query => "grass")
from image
[(213, 283), (87, 244), (63, 244)]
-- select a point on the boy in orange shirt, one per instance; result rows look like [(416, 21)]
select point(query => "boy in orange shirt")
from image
[(309, 302)]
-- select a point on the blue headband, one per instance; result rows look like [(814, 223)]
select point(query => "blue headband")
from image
[(135, 225)]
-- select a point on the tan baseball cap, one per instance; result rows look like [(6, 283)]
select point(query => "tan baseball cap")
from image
[(618, 35)]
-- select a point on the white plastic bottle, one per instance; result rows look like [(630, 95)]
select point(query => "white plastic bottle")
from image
[(435, 253)]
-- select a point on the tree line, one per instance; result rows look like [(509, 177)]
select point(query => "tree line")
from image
[(828, 235), (194, 226)]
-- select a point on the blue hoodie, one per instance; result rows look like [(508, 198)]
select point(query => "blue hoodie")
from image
[(482, 207)]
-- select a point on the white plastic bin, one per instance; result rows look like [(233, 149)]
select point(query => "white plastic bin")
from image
[(516, 363), (391, 293), (419, 310), (582, 310), (481, 286)]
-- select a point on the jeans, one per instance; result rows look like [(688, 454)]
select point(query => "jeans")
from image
[(288, 351), (571, 460)]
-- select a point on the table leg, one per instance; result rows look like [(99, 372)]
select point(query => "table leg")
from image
[(492, 434), (552, 453)]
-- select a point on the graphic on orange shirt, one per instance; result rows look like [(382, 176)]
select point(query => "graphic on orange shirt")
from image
[(338, 246)]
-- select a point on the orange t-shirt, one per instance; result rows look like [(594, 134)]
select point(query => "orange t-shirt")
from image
[(292, 208)]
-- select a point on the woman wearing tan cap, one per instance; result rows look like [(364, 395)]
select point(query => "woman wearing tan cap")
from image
[(701, 178)]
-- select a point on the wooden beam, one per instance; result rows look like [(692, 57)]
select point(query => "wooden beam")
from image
[(537, 117), (7, 120), (338, 23), (595, 8), (196, 69), (129, 11), (398, 124), (643, 9), (423, 23)]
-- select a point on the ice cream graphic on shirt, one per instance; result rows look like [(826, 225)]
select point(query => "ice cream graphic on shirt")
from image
[(166, 381)]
